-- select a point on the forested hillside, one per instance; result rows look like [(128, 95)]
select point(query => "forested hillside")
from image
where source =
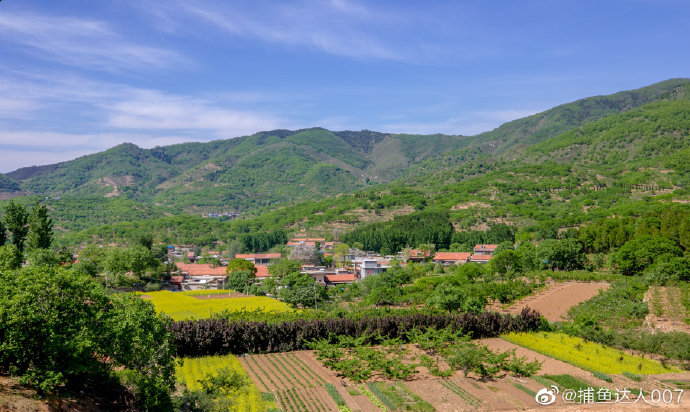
[(623, 154)]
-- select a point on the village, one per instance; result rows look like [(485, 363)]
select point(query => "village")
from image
[(354, 265)]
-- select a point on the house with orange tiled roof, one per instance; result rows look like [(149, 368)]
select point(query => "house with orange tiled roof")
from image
[(259, 258), (201, 275), (485, 249), (262, 272), (451, 258), (480, 258)]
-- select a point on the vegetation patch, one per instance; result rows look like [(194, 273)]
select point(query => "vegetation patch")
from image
[(219, 382), (183, 305), (587, 355)]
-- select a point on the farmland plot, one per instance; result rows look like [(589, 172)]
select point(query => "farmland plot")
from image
[(297, 381), (554, 302)]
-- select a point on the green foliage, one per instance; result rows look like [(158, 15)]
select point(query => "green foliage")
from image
[(641, 252), (59, 327), (10, 257), (16, 220), (40, 234), (240, 280), (620, 306), (240, 265), (604, 377), (334, 394), (302, 290), (428, 227)]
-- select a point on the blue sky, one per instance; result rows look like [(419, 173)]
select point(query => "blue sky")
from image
[(78, 77)]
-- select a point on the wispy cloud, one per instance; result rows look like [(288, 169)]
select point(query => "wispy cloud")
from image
[(153, 110), (81, 42), (466, 125), (338, 27)]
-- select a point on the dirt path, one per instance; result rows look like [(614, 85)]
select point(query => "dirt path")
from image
[(555, 301), (666, 311)]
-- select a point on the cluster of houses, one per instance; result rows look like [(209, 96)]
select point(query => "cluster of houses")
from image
[(356, 267)]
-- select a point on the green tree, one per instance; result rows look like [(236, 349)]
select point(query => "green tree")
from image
[(300, 289), (340, 252), (3, 234), (59, 327), (639, 253), (43, 257), (284, 267), (240, 265), (16, 219), (10, 257), (506, 262), (40, 228), (140, 259), (240, 280)]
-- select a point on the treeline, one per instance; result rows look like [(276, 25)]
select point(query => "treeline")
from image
[(603, 235), (219, 337), (427, 227), (263, 241)]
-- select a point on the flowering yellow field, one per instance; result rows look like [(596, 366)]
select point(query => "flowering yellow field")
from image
[(183, 306), (587, 355), (194, 369)]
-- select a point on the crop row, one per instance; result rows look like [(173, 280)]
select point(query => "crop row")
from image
[(456, 389), (298, 400), (220, 336), (275, 371)]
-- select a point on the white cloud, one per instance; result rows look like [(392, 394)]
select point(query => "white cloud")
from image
[(468, 125), (80, 43)]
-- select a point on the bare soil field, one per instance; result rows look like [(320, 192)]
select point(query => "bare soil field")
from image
[(555, 301), (297, 380), (666, 312)]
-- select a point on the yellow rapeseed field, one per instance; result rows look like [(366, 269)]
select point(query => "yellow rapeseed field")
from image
[(184, 306), (587, 355), (192, 370)]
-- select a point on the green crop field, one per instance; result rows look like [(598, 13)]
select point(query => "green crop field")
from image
[(184, 306), (587, 355)]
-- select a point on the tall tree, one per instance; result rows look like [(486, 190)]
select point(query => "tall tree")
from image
[(40, 228), (16, 219), (3, 234)]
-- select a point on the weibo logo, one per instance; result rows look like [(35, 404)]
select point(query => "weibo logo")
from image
[(546, 396)]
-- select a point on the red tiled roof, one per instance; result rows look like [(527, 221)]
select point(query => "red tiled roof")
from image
[(262, 271), (414, 253), (481, 257), (350, 277), (202, 269), (452, 256), (257, 256), (485, 248), (176, 279), (190, 254)]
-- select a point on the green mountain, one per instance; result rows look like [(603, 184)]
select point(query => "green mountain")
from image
[(264, 168), (622, 154), (7, 184)]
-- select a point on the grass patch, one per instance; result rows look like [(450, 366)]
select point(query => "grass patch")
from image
[(633, 376), (678, 384), (590, 356), (398, 397), (466, 396), (604, 377), (184, 306), (525, 389)]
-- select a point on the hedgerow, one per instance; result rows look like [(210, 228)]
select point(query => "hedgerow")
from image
[(218, 336)]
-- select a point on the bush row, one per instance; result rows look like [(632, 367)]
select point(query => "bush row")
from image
[(219, 336)]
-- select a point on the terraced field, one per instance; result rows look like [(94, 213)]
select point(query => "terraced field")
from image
[(298, 382), (555, 301)]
